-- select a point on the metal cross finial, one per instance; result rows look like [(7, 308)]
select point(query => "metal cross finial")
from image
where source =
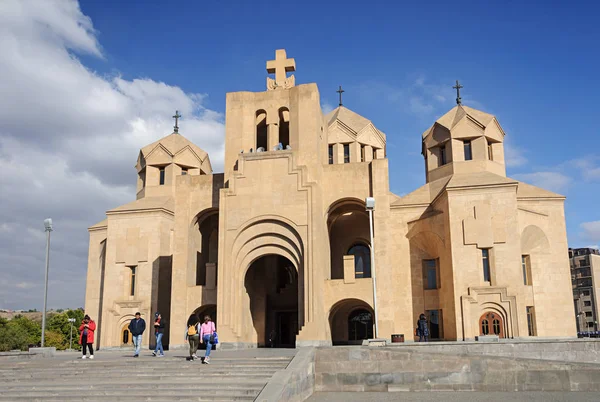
[(458, 98), (176, 117), (340, 91)]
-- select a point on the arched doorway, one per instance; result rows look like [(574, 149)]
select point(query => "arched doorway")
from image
[(272, 286), (204, 240), (348, 225), (491, 323), (351, 322), (126, 337)]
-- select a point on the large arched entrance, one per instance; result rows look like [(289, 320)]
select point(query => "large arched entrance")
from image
[(271, 282), (351, 322)]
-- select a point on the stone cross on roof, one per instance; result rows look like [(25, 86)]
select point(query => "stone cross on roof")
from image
[(280, 66), (340, 91), (458, 98), (176, 117)]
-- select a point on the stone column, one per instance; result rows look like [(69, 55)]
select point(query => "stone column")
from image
[(273, 136), (349, 274)]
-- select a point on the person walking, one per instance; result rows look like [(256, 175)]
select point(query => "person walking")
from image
[(207, 331), (423, 328), (86, 338), (159, 330), (193, 336), (137, 326)]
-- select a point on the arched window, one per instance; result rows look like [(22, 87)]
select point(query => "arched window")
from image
[(261, 130), (362, 260), (360, 325), (496, 326), (284, 127), (485, 327)]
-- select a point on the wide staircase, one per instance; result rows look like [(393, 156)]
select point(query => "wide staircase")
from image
[(116, 376)]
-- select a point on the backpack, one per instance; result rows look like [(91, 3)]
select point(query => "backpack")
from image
[(192, 330)]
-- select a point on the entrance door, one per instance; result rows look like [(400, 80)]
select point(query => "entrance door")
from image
[(287, 327), (491, 323), (126, 337), (272, 286)]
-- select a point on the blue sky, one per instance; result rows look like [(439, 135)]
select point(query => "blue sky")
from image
[(88, 83), (533, 65)]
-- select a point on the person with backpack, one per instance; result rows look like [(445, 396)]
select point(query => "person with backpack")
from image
[(422, 329), (137, 326), (207, 336), (193, 336)]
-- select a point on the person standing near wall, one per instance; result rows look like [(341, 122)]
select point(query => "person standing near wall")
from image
[(159, 330), (423, 328), (86, 339)]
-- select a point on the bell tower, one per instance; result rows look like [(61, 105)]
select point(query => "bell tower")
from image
[(284, 118)]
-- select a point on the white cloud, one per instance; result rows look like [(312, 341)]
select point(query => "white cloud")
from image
[(591, 231), (553, 181), (326, 107), (68, 141), (589, 167), (514, 156)]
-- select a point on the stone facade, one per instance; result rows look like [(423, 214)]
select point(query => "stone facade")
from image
[(278, 247)]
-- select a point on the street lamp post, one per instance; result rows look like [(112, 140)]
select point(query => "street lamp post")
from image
[(48, 226), (71, 320), (370, 205)]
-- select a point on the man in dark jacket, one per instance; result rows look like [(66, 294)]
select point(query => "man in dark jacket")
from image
[(159, 330), (137, 326)]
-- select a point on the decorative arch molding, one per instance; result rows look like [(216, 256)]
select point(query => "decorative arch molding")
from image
[(534, 241), (260, 236), (202, 215), (488, 298)]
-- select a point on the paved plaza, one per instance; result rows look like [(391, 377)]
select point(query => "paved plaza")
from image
[(454, 397)]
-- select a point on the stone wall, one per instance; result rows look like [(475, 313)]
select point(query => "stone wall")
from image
[(294, 384), (391, 369), (576, 350)]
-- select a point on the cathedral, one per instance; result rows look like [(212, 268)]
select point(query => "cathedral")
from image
[(300, 242)]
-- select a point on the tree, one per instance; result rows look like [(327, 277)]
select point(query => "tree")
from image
[(55, 339)]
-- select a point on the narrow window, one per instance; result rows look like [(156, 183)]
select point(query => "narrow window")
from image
[(588, 313), (496, 326), (442, 155), (261, 130), (374, 153), (431, 274), (162, 176), (526, 265), (346, 153), (531, 321), (284, 127), (490, 152), (468, 152), (184, 171), (485, 257), (362, 260), (362, 153), (485, 328), (587, 303), (132, 290), (331, 154)]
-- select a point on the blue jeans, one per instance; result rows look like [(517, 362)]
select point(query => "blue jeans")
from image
[(137, 342), (159, 346), (206, 339)]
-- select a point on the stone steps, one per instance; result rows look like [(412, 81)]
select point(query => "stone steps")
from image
[(115, 377)]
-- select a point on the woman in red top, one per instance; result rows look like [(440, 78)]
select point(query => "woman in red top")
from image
[(87, 328)]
